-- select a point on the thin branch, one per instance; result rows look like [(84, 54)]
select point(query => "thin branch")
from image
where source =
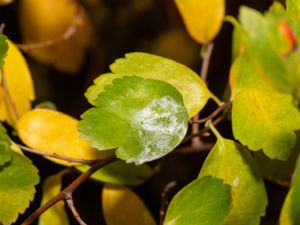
[(57, 156), (69, 32), (9, 97), (223, 106), (71, 205), (206, 60), (164, 201), (2, 26), (204, 130), (203, 73), (68, 191)]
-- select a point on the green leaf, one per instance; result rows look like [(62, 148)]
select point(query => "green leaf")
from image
[(144, 119), (271, 45), (5, 147), (275, 169), (202, 28), (290, 213), (121, 206), (121, 173), (17, 179), (262, 117), (231, 162), (205, 201), (3, 49), (55, 215), (193, 89)]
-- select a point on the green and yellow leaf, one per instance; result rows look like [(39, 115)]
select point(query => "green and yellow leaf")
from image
[(231, 162), (54, 132), (143, 119)]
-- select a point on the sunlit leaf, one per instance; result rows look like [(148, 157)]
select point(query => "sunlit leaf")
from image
[(193, 89), (17, 178), (144, 119), (231, 162), (121, 206), (3, 49), (54, 132), (205, 201), (56, 215), (202, 18), (19, 83), (290, 213), (121, 173), (262, 117), (57, 16)]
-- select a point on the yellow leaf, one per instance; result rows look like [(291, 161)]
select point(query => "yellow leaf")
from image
[(54, 132), (19, 83), (55, 215), (49, 19), (5, 2), (121, 206), (202, 18)]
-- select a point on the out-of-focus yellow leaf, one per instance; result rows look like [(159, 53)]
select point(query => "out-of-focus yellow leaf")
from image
[(5, 2), (121, 206), (19, 83), (55, 215), (202, 18), (51, 131), (49, 19)]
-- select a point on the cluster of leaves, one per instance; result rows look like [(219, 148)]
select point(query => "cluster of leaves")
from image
[(140, 113)]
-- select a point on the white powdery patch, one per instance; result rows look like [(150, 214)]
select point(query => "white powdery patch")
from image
[(161, 125)]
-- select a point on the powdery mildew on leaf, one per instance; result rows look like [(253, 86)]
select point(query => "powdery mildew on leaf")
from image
[(160, 118)]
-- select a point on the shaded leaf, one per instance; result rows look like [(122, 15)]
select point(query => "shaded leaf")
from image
[(55, 215), (58, 16), (3, 49), (232, 163), (17, 178), (5, 2), (121, 206), (203, 19), (205, 201), (193, 89), (121, 173), (262, 117), (290, 213), (143, 118), (5, 147), (19, 84), (54, 132), (275, 169)]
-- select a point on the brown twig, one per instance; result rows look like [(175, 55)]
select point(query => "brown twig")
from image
[(57, 156), (9, 97), (68, 191), (69, 32), (223, 106), (203, 73), (165, 201), (75, 213)]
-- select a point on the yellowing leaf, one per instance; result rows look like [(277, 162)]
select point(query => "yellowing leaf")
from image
[(232, 163), (202, 18), (121, 206), (192, 88), (55, 215), (49, 19), (5, 2), (262, 117), (54, 132), (19, 83)]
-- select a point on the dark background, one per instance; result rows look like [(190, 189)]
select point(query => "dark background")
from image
[(123, 26)]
